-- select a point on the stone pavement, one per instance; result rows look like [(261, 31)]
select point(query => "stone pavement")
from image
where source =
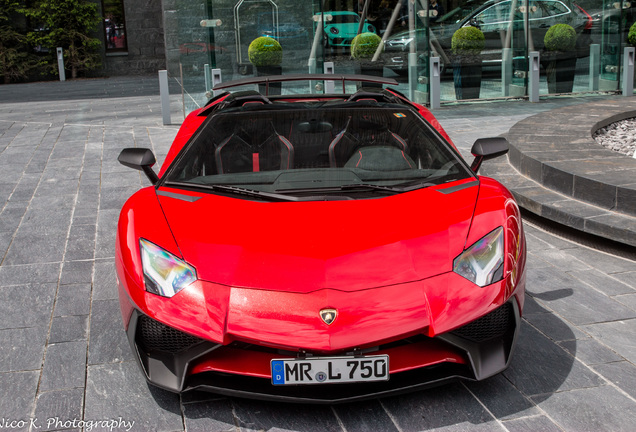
[(64, 358)]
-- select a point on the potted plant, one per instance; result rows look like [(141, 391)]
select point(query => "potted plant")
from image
[(466, 46), (631, 36), (559, 58), (363, 48), (266, 54)]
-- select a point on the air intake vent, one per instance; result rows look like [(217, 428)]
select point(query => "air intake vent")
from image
[(155, 336), (490, 326)]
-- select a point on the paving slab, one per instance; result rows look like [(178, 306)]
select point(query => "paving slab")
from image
[(541, 367), (108, 341), (532, 424), (58, 410), (448, 408), (590, 351), (64, 366), (622, 374), (23, 387), (601, 281), (22, 349), (257, 416), (26, 305), (68, 329), (592, 409), (214, 415), (149, 408), (620, 336), (365, 416)]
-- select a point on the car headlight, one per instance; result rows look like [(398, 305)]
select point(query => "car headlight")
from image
[(370, 28), (334, 30), (164, 273), (483, 262)]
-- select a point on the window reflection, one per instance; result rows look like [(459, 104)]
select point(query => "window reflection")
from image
[(114, 26), (512, 30)]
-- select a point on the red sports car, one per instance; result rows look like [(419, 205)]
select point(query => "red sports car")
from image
[(318, 248)]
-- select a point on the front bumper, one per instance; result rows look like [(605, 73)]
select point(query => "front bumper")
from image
[(344, 42), (179, 362)]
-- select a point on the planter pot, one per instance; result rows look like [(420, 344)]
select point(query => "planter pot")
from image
[(560, 72), (467, 77), (274, 88)]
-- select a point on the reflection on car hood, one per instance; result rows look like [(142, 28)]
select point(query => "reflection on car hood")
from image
[(304, 246)]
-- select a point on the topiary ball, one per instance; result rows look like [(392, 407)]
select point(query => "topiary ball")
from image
[(631, 36), (560, 37), (365, 45), (468, 40), (265, 51)]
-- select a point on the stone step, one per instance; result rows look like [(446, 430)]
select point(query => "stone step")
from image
[(561, 208)]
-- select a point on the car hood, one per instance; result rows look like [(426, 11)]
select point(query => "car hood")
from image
[(346, 245)]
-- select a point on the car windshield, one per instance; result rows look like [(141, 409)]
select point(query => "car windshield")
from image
[(460, 13), (345, 19), (356, 150)]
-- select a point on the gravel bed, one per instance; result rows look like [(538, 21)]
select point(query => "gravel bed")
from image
[(619, 136)]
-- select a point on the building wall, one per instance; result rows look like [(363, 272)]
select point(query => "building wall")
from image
[(146, 49)]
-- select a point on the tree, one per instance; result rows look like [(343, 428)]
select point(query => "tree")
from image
[(67, 24), (16, 59)]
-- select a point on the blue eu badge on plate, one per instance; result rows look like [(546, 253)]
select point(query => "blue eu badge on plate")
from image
[(278, 372)]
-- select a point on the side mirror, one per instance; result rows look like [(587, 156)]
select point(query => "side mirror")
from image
[(141, 159), (488, 148)]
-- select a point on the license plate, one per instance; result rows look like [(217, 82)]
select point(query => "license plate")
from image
[(324, 370)]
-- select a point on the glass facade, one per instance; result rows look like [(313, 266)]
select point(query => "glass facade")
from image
[(484, 47)]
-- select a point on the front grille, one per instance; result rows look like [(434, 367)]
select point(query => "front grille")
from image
[(350, 351), (155, 336), (490, 326)]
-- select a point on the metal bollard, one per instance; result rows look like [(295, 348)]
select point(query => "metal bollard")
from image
[(595, 66), (60, 63), (165, 96), (412, 75), (534, 68), (434, 83), (312, 69), (216, 79), (628, 72), (207, 78), (506, 71), (330, 86)]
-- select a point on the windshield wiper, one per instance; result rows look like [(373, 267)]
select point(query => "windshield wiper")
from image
[(234, 190), (359, 187), (394, 189)]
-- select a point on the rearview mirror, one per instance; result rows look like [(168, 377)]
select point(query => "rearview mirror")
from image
[(141, 159), (314, 126), (488, 148)]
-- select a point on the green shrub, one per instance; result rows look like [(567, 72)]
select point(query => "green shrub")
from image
[(631, 36), (71, 25), (365, 45), (265, 51), (560, 37), (468, 40)]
